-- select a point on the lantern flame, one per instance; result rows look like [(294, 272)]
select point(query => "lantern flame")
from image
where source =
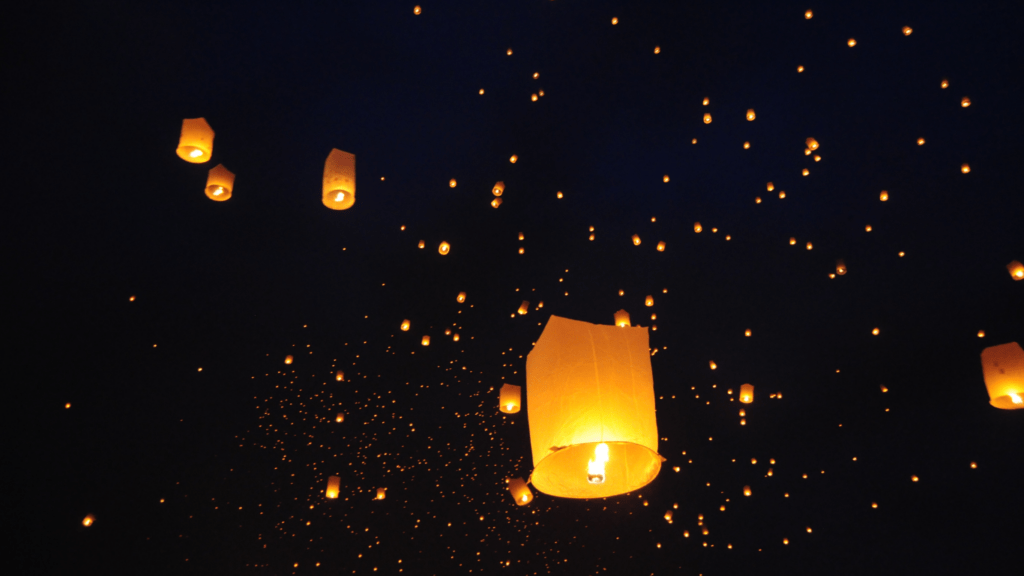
[(595, 467), (195, 153), (1015, 398)]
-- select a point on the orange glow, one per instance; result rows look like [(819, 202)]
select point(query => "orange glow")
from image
[(443, 248), (339, 376), (425, 341), (808, 15), (461, 297), (615, 21), (875, 332), (622, 318), (661, 246), (840, 267), (219, 183), (405, 326), (509, 398), (851, 42), (499, 188), (965, 168), (771, 187), (697, 227), (920, 141), (746, 491), (746, 145), (649, 301), (288, 359), (747, 333), (965, 102), (196, 142), (792, 241), (513, 159), (416, 10), (799, 69), (495, 202), (812, 143), (664, 178), (520, 491), (1003, 368), (907, 30), (523, 308), (810, 246), (340, 417), (707, 118), (88, 520), (750, 114), (636, 240), (381, 493), (1016, 270), (657, 49), (884, 196), (944, 84), (747, 393)]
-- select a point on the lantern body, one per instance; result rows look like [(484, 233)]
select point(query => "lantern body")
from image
[(524, 307), (510, 398), (590, 387), (340, 417), (746, 491), (697, 227), (1016, 270), (443, 248), (840, 267), (196, 142), (339, 192), (636, 240), (405, 326), (381, 493), (520, 491), (747, 393), (461, 297), (750, 114), (622, 319), (649, 301), (812, 143), (333, 487), (88, 520), (340, 376), (499, 188), (661, 246), (219, 183), (707, 117), (425, 341), (495, 202), (1003, 367), (288, 359)]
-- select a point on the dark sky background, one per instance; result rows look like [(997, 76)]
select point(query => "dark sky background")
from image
[(222, 471)]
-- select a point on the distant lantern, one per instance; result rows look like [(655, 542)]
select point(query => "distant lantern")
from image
[(499, 188), (697, 227), (510, 398), (288, 359), (196, 142), (455, 337), (513, 159), (339, 191), (339, 375), (461, 297), (920, 141), (965, 168), (1003, 367), (649, 301), (867, 228), (812, 143), (750, 114), (792, 241), (219, 183), (746, 145), (965, 102), (520, 491), (661, 246), (840, 267), (810, 246), (339, 417), (508, 52), (417, 10), (622, 319), (524, 308), (533, 97), (443, 248), (747, 393), (707, 117), (747, 333), (713, 365), (799, 69), (425, 341), (851, 42), (664, 178), (907, 30), (981, 333), (452, 183), (636, 240), (584, 445), (706, 101), (333, 487), (808, 14), (421, 245), (875, 331), (559, 194), (746, 491), (495, 202), (884, 196), (405, 325), (381, 493), (805, 172), (657, 49), (615, 21), (782, 193), (88, 520), (1016, 270)]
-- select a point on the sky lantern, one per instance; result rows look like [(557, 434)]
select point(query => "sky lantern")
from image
[(697, 227), (339, 417), (965, 168), (461, 297), (405, 325), (810, 246), (381, 493), (771, 186), (812, 143), (665, 178), (944, 84), (707, 117), (713, 365), (636, 240), (851, 42), (799, 69), (750, 114), (425, 341), (622, 319), (513, 159), (661, 246), (808, 15), (499, 188), (657, 49), (524, 308), (421, 245), (452, 183), (510, 398), (496, 202), (520, 491), (339, 191), (1003, 367), (649, 301), (333, 487), (196, 142), (417, 10), (219, 183), (747, 393), (592, 418), (1016, 270), (288, 359), (884, 196), (443, 248), (965, 102), (340, 376), (88, 520), (746, 491), (792, 241), (907, 30), (840, 267), (746, 145)]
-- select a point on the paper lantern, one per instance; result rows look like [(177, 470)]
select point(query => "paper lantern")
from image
[(405, 326), (812, 143), (707, 118), (706, 101), (88, 520), (792, 241), (746, 491), (944, 84), (747, 393), (523, 308), (496, 202), (499, 188), (965, 168), (907, 30), (461, 297), (510, 398), (799, 69), (425, 341), (339, 417), (649, 301), (657, 49), (697, 227), (840, 267), (746, 145), (1003, 367), (750, 114), (713, 366), (1016, 270), (452, 183), (593, 427), (513, 158), (443, 248), (196, 142), (884, 196), (288, 359), (339, 191), (333, 487), (965, 102), (219, 183), (810, 246), (665, 178), (851, 42), (622, 318), (417, 10), (636, 240), (381, 493), (421, 245), (661, 246), (340, 376), (520, 491)]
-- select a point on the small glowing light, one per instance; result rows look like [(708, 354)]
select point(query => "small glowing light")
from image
[(746, 145), (416, 10), (706, 101), (664, 178), (615, 21), (913, 478), (771, 186), (196, 154), (812, 143), (657, 49), (443, 248), (757, 200), (747, 333), (88, 520), (874, 504), (559, 194), (907, 30), (799, 68), (707, 118), (875, 331), (884, 196), (68, 405), (944, 84), (965, 102), (867, 228), (508, 52), (481, 91), (920, 141), (750, 114), (974, 464), (792, 241), (981, 333), (810, 246), (713, 365), (851, 42), (965, 168), (808, 15), (902, 253), (340, 196), (513, 158), (805, 172), (533, 97), (782, 194), (452, 183)]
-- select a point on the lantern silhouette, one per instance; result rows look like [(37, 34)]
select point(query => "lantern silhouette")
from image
[(405, 326), (510, 398), (750, 114), (520, 491), (636, 240), (1003, 367), (622, 319), (443, 248), (288, 359), (381, 493), (771, 186), (661, 246), (196, 142), (461, 297), (219, 183), (840, 267), (421, 245), (747, 393), (425, 341), (499, 188), (593, 427), (333, 487), (697, 227), (1016, 270), (339, 191), (524, 307), (965, 102)]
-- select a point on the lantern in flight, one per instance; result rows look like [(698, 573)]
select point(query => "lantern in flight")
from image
[(622, 319), (425, 341), (339, 190), (884, 196), (636, 240), (196, 142), (510, 398), (697, 227), (1016, 270), (219, 183), (333, 487), (661, 246), (523, 308), (707, 118), (840, 267), (750, 114), (1003, 367), (520, 491), (381, 493), (339, 417), (499, 188), (443, 248), (461, 297), (88, 520), (649, 301), (405, 326), (288, 359), (340, 376), (495, 202), (812, 143), (592, 419), (965, 168), (747, 393)]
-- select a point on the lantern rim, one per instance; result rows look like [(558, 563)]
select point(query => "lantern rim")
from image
[(563, 473), (1005, 402), (185, 153), (330, 195)]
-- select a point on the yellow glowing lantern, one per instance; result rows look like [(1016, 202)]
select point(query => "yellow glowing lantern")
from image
[(664, 178), (510, 398), (1016, 270), (559, 194), (746, 145), (782, 193), (874, 331), (808, 15), (381, 493), (508, 52), (750, 114), (981, 333), (592, 418), (907, 30), (196, 142), (513, 159), (810, 246), (771, 186), (416, 10), (405, 325), (799, 69), (1003, 367), (706, 101), (965, 102), (523, 308), (657, 49), (533, 97), (636, 240), (697, 227), (812, 143), (668, 516), (496, 202), (88, 520), (747, 393), (944, 84), (425, 341), (649, 301), (840, 267), (746, 491), (452, 183), (884, 196), (920, 141), (219, 183), (339, 191), (499, 188), (443, 248), (707, 117), (520, 491), (622, 318), (792, 241), (713, 365), (421, 245), (455, 337), (965, 168), (288, 359), (615, 21), (661, 246), (461, 297), (339, 375), (333, 487), (340, 417), (851, 42)]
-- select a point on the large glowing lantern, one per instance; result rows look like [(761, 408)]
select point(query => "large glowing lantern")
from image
[(649, 301), (340, 180), (622, 319), (425, 341), (592, 419), (1003, 367), (812, 143), (636, 240), (1016, 270), (405, 326), (751, 114), (510, 398), (747, 393), (219, 183), (333, 487), (196, 142), (697, 227), (520, 491), (340, 417)]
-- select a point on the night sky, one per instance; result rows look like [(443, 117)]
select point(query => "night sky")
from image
[(164, 318)]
